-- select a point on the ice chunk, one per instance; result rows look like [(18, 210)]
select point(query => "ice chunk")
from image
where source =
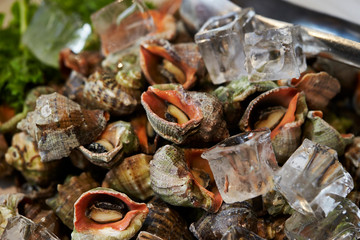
[(220, 44), (341, 223), (243, 165), (310, 179), (274, 54), (122, 23), (195, 13)]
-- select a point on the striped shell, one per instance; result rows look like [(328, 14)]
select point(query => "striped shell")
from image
[(131, 176), (163, 222), (68, 193), (173, 178), (24, 156), (102, 91)]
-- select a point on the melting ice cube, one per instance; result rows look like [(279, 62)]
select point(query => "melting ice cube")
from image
[(341, 223), (274, 54), (243, 165), (310, 179), (219, 42), (122, 23)]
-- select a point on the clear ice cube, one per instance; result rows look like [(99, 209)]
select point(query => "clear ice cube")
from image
[(274, 54), (341, 223), (243, 165), (219, 41), (122, 23), (311, 179)]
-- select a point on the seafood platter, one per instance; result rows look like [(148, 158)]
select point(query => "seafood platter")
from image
[(187, 119)]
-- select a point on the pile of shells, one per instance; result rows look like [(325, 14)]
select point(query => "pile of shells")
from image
[(116, 151)]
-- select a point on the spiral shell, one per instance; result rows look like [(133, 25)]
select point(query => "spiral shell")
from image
[(68, 193), (163, 222), (203, 122), (118, 139), (5, 168), (286, 130), (102, 91), (131, 176), (59, 125), (87, 226), (24, 156), (174, 179), (162, 62)]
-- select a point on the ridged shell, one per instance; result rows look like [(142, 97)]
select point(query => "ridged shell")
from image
[(286, 136), (214, 226), (173, 181), (318, 130), (68, 193), (131, 176), (59, 125), (24, 156), (185, 56), (20, 227), (125, 228), (237, 232), (121, 136), (163, 222), (5, 168), (205, 124), (102, 91), (74, 87), (234, 94), (319, 88)]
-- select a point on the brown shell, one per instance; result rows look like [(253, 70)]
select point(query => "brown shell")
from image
[(163, 222), (84, 63), (131, 176), (59, 125), (102, 91), (286, 136), (47, 218), (68, 193), (206, 123), (319, 88), (185, 56), (121, 137)]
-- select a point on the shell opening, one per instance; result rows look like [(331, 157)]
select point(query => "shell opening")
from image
[(106, 209), (171, 72), (100, 146), (168, 105), (270, 117)]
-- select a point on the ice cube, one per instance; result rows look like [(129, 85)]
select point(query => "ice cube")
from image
[(274, 54), (341, 223), (122, 23), (243, 165), (219, 42), (310, 179)]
